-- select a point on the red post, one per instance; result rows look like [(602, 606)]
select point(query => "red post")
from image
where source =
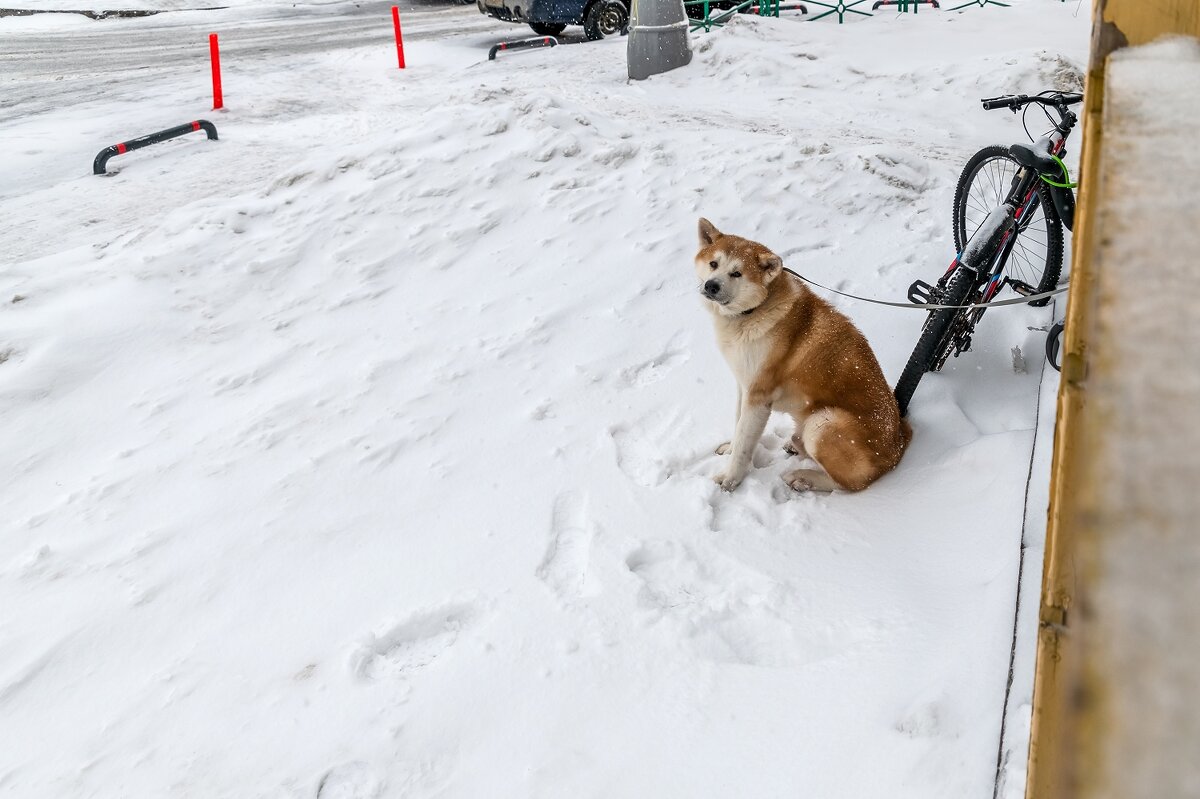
[(399, 38), (214, 50)]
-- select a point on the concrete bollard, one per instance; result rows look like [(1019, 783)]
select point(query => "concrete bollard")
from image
[(658, 38)]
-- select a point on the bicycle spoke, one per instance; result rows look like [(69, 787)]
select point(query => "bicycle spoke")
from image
[(975, 206), (1002, 180), (1036, 246), (1018, 265), (1030, 265), (972, 226), (995, 178)]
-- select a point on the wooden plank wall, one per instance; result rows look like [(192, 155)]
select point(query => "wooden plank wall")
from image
[(1065, 736)]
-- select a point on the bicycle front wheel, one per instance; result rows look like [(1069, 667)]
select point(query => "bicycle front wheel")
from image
[(1036, 257), (933, 345)]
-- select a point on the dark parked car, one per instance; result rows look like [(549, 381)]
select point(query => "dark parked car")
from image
[(599, 18)]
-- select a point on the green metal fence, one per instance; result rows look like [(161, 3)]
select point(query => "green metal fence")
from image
[(841, 8), (715, 17)]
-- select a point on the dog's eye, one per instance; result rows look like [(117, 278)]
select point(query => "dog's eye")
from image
[(712, 264), (735, 274)]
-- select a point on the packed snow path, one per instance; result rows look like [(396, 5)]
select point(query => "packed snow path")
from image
[(367, 451)]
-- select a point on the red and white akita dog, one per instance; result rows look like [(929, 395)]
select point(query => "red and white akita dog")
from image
[(793, 352)]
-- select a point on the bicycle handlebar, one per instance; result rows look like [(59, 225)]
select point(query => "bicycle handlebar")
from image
[(1059, 100)]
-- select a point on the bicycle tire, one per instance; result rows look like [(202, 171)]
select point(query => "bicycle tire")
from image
[(1043, 276), (934, 336)]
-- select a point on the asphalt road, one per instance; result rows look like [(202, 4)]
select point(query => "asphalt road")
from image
[(44, 70)]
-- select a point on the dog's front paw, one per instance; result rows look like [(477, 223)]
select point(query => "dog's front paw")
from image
[(728, 481), (723, 449)]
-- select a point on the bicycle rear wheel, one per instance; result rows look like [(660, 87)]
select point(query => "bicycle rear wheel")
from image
[(933, 345), (1036, 257)]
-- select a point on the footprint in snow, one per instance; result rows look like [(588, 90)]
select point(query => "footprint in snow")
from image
[(725, 611), (903, 173), (564, 568), (642, 449), (925, 720), (349, 781), (656, 368), (413, 644)]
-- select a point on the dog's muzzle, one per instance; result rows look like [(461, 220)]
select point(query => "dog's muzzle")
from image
[(711, 289)]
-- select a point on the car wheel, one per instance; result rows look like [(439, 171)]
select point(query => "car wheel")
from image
[(605, 18), (547, 28)]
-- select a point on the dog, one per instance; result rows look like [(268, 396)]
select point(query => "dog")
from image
[(793, 352)]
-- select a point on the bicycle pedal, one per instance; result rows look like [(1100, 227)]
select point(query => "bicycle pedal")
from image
[(1024, 289), (920, 293)]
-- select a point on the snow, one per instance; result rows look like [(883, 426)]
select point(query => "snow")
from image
[(367, 451)]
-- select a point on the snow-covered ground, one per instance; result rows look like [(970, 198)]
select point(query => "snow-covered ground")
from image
[(367, 451)]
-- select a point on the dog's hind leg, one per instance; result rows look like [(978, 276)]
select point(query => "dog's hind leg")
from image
[(795, 445), (806, 439), (810, 480), (838, 442)]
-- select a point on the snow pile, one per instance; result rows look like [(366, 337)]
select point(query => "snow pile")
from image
[(367, 451)]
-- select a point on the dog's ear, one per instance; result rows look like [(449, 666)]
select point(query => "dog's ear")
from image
[(708, 232), (770, 263)]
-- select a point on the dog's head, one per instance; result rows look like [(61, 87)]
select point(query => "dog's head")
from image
[(733, 272)]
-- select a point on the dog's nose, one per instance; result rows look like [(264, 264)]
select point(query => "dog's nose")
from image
[(712, 287)]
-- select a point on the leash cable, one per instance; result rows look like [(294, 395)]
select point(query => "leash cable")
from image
[(930, 306)]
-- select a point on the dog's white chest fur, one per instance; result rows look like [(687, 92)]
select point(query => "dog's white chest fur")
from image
[(745, 358)]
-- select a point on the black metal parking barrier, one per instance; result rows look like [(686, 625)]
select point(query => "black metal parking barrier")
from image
[(523, 44), (903, 5), (145, 141), (771, 8)]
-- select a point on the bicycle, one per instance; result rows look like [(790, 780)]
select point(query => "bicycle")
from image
[(1015, 239)]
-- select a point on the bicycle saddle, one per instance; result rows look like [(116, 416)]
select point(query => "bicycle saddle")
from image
[(1036, 156)]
